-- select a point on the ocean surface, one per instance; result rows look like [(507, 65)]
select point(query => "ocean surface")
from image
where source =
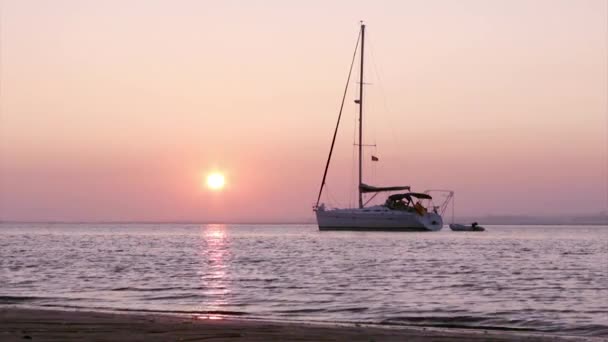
[(531, 278)]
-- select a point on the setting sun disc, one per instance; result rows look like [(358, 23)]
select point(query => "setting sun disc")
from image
[(216, 181)]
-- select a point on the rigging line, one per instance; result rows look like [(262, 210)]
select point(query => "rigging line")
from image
[(332, 200), (333, 141), (377, 72), (375, 164), (396, 138), (383, 92), (374, 105), (351, 184), (453, 204)]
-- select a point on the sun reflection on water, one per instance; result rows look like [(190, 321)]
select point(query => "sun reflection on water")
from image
[(210, 317), (214, 284)]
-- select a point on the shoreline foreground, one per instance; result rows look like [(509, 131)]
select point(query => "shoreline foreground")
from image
[(19, 324)]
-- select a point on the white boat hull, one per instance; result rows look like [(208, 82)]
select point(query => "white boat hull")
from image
[(377, 219)]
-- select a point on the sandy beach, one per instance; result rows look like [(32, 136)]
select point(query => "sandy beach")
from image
[(17, 324)]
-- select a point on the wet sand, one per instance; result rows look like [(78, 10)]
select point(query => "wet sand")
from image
[(17, 324)]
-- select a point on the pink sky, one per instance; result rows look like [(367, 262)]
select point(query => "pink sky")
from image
[(116, 110)]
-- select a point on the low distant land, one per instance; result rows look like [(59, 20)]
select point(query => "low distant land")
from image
[(589, 219), (597, 219)]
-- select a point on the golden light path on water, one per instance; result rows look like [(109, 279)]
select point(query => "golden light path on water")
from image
[(214, 279)]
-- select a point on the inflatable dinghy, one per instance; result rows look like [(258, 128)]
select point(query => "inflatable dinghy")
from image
[(474, 227)]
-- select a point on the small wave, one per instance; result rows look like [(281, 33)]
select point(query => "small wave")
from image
[(593, 330), (332, 310), (298, 311), (461, 322), (442, 319), (184, 296), (18, 299), (196, 312), (352, 309), (135, 310), (487, 323), (150, 289)]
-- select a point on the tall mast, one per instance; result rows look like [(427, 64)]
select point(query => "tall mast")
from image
[(361, 116)]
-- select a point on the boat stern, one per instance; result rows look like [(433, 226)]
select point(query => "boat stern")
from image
[(432, 221)]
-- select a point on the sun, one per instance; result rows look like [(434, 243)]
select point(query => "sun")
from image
[(216, 181)]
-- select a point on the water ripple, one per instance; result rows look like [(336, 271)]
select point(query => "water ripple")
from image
[(548, 279)]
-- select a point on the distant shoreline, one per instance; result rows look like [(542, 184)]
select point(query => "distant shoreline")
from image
[(481, 221)]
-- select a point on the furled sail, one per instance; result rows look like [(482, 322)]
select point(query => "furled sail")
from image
[(368, 188)]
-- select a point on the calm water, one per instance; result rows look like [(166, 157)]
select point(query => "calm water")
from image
[(552, 279)]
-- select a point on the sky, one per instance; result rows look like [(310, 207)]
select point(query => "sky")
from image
[(118, 110)]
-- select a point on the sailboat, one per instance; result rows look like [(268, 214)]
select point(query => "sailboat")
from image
[(403, 211)]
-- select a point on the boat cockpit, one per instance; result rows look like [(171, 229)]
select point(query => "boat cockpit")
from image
[(409, 201)]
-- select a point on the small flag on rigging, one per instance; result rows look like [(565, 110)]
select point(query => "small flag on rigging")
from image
[(374, 158)]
